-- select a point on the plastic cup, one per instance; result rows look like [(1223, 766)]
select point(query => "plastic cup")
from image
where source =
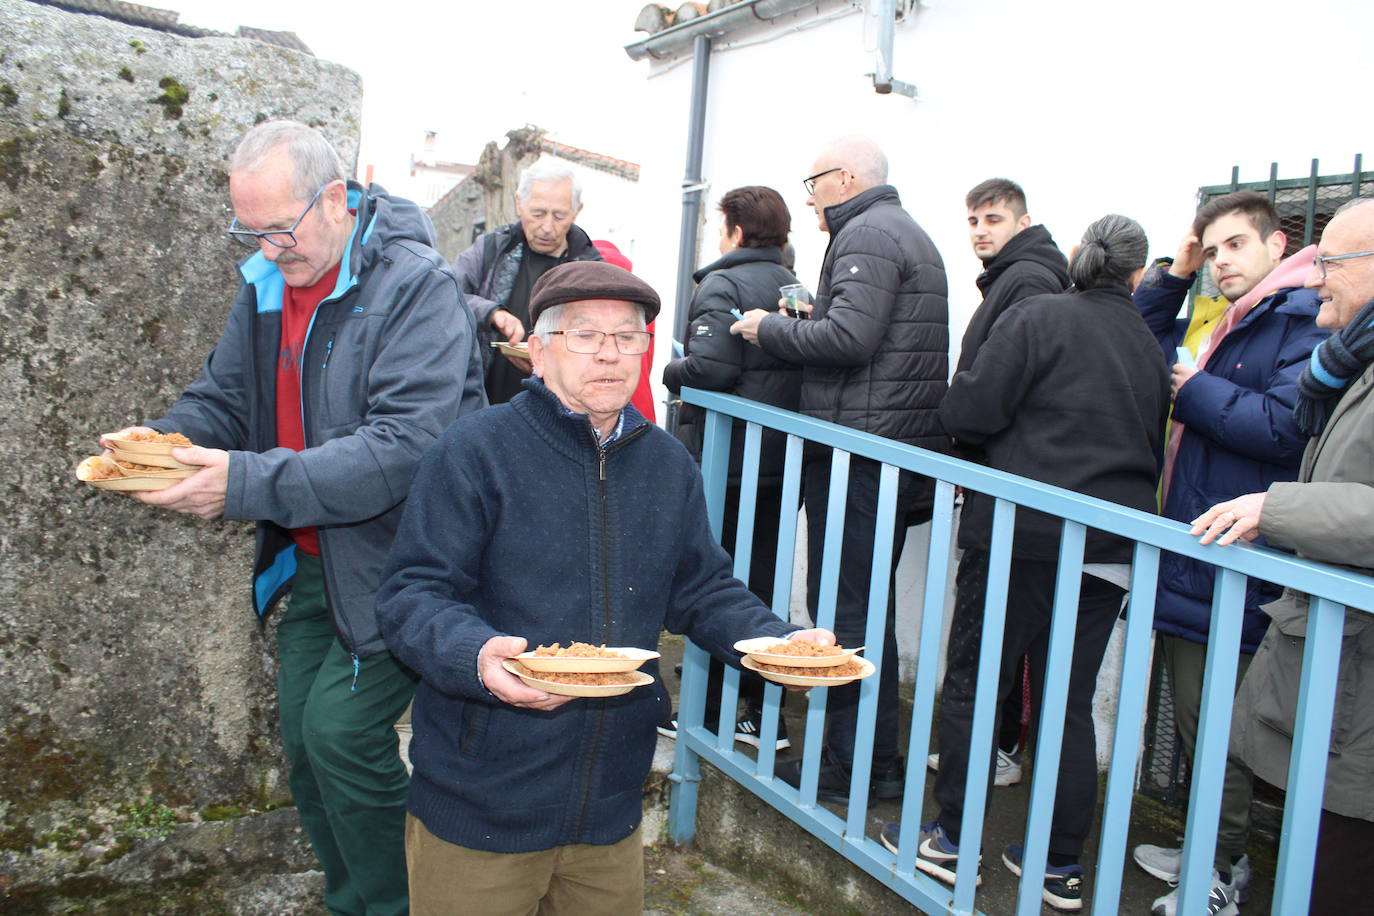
[(798, 300)]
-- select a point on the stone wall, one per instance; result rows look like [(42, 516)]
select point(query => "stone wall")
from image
[(135, 689)]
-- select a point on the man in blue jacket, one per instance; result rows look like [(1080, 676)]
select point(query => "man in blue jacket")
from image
[(347, 351), (1233, 433), (560, 516)]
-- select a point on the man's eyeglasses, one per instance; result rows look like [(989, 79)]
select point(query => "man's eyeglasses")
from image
[(282, 238), (585, 340), (810, 183), (1320, 262)]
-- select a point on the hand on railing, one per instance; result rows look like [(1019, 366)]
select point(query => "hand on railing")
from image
[(1238, 518)]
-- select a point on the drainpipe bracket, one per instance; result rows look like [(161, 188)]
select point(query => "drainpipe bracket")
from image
[(897, 86)]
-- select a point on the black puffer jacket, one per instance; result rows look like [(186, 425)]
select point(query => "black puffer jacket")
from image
[(1028, 265), (876, 353), (744, 279), (1071, 390)]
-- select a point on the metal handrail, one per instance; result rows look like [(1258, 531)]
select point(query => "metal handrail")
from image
[(1333, 590)]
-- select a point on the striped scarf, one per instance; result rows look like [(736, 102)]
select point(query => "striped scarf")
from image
[(1334, 365)]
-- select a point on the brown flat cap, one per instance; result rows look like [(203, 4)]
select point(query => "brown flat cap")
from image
[(578, 280)]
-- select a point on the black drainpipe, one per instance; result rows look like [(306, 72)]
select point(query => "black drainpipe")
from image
[(693, 190)]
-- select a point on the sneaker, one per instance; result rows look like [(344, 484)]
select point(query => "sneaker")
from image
[(888, 779), (1167, 865), (1008, 767), (1222, 900), (748, 729), (668, 727), (936, 856), (1063, 883)]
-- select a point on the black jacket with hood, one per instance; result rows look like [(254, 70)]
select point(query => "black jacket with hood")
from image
[(1028, 265)]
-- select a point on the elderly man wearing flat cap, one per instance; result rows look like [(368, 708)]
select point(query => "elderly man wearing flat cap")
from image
[(561, 516)]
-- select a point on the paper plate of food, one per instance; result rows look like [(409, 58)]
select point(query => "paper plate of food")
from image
[(774, 650), (149, 448), (854, 669), (579, 683), (581, 656), (519, 350), (108, 474)]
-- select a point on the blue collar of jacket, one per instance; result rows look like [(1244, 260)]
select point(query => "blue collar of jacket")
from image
[(268, 281), (841, 213), (1292, 300)]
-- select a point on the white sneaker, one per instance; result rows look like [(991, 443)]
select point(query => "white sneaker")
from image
[(1221, 901), (1167, 865), (1008, 767)]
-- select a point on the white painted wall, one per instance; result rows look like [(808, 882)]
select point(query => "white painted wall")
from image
[(1092, 106)]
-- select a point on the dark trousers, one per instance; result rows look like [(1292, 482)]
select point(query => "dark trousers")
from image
[(1030, 604), (347, 779), (1014, 708), (1187, 661), (762, 567), (857, 567), (1343, 845)]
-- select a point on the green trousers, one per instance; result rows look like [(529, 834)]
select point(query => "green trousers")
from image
[(347, 779), (1187, 660)]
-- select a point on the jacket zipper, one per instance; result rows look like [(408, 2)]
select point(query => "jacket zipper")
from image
[(601, 454), (335, 618)]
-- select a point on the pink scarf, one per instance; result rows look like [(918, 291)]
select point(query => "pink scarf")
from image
[(1288, 273)]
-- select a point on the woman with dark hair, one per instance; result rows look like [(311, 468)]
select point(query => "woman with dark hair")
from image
[(747, 275), (1070, 389)]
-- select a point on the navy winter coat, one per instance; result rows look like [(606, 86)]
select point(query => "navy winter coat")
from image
[(520, 524), (1240, 436)]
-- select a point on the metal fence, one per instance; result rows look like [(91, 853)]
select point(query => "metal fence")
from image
[(1332, 589)]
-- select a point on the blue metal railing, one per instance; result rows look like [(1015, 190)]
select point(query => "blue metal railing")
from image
[(1333, 590)]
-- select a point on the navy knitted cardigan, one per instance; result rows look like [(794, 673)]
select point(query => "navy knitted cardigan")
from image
[(519, 523)]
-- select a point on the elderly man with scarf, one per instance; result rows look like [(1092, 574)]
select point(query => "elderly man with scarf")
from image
[(1325, 515)]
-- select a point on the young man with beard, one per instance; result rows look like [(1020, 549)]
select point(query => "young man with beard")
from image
[(1233, 433)]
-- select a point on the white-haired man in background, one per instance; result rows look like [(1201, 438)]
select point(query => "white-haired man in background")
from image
[(498, 271)]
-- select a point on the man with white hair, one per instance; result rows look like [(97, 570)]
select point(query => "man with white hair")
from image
[(874, 357), (500, 269), (560, 516), (345, 355)]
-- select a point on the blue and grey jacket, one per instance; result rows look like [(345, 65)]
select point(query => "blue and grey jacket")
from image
[(390, 359)]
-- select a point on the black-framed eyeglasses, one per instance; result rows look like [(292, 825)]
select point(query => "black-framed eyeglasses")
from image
[(585, 341), (1320, 262), (282, 238), (810, 183)]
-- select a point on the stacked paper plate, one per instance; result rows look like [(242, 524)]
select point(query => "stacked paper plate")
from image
[(576, 675)]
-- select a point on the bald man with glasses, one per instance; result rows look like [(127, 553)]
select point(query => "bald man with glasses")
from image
[(874, 356)]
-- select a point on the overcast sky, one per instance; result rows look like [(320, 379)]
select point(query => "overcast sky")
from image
[(469, 70)]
